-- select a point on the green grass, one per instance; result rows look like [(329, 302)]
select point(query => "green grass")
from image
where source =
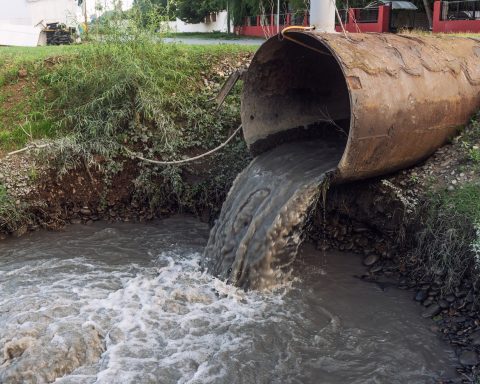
[(55, 88), (20, 55), (152, 99), (447, 245), (464, 201), (23, 100), (444, 243), (139, 94)]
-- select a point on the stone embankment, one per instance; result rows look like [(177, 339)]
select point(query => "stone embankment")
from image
[(388, 221)]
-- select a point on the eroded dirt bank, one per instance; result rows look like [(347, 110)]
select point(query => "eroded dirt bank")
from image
[(418, 229)]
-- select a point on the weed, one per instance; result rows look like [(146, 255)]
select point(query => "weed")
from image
[(474, 155), (446, 243), (11, 214)]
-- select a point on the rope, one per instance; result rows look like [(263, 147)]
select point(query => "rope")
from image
[(175, 162), (340, 20)]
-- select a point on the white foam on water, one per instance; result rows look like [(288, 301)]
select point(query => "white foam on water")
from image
[(134, 323), (147, 314)]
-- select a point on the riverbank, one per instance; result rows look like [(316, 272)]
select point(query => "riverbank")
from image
[(82, 112), (418, 228), (83, 107)]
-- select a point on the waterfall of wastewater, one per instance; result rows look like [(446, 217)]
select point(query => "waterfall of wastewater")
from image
[(256, 237)]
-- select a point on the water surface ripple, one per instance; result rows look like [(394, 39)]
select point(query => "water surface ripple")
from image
[(129, 304)]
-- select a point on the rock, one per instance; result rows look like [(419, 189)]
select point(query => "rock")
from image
[(475, 338), (76, 221), (427, 302), (450, 298), (370, 260), (22, 73), (443, 304), (360, 229), (468, 358), (85, 211), (431, 311), (421, 295), (469, 297), (376, 268)]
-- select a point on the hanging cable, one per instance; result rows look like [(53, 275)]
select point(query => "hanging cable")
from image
[(284, 35), (176, 162)]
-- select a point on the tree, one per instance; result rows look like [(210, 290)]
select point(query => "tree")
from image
[(195, 11), (159, 7)]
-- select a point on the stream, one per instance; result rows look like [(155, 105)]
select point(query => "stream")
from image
[(129, 303)]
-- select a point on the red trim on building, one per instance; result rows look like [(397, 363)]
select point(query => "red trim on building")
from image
[(353, 24), (449, 26)]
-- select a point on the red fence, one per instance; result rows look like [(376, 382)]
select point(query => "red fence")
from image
[(366, 20), (266, 25), (355, 20), (456, 16)]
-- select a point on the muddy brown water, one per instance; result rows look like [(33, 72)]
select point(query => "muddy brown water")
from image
[(129, 303), (254, 241)]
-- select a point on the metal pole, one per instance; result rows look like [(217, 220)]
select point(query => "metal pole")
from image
[(322, 15), (85, 16), (278, 16)]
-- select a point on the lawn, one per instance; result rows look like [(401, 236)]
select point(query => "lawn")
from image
[(41, 86)]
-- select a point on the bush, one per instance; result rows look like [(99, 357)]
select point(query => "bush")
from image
[(128, 90), (446, 246), (11, 215)]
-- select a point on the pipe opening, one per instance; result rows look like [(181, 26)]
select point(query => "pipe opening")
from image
[(294, 90)]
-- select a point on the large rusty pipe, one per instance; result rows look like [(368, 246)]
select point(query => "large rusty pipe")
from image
[(396, 98)]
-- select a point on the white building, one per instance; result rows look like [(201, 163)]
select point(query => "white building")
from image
[(217, 22), (22, 21), (35, 12)]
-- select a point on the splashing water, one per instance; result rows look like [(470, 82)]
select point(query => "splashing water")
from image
[(255, 240), (129, 304)]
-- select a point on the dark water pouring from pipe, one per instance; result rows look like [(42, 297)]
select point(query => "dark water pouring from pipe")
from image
[(319, 104)]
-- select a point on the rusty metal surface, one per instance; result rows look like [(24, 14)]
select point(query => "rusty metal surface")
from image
[(406, 94)]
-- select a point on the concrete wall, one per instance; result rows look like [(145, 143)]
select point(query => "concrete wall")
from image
[(32, 12), (219, 25), (14, 12), (51, 11)]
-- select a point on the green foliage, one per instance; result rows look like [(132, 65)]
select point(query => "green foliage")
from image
[(126, 89), (129, 90), (195, 11), (22, 99), (165, 8), (470, 142), (464, 201), (474, 155), (445, 245)]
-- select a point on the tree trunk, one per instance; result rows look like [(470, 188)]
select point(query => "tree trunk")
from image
[(228, 17), (428, 11)]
